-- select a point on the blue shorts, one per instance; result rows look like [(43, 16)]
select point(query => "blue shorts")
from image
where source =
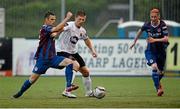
[(158, 58), (42, 65)]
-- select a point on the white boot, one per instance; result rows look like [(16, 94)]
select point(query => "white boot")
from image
[(68, 94)]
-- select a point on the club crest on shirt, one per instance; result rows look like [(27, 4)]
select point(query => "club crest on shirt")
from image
[(151, 61), (36, 68), (159, 30)]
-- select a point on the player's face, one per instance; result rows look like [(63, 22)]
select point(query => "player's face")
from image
[(50, 20), (154, 17), (79, 20)]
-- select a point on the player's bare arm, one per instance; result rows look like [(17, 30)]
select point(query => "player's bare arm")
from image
[(60, 26), (152, 40), (136, 38), (89, 44), (54, 34)]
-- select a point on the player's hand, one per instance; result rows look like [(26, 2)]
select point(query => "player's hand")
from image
[(132, 45), (54, 34), (69, 15), (165, 39), (151, 40), (94, 54)]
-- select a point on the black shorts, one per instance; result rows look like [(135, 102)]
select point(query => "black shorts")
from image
[(75, 56)]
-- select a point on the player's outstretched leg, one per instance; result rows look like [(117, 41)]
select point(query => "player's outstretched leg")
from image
[(27, 84), (24, 87)]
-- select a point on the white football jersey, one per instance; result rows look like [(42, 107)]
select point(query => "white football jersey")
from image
[(69, 37)]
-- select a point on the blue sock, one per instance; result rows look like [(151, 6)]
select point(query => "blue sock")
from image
[(69, 74), (160, 76), (25, 86), (155, 77)]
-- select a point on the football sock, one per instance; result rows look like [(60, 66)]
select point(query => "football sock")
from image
[(155, 77), (87, 84), (69, 74), (73, 77), (160, 76), (25, 86)]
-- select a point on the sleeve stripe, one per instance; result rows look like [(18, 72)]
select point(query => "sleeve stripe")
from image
[(165, 27)]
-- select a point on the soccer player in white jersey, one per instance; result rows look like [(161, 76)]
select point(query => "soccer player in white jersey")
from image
[(66, 46)]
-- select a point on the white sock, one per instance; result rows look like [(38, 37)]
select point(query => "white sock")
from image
[(87, 84), (73, 77)]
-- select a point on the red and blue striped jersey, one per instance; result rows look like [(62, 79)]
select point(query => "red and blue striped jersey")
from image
[(46, 48), (156, 32)]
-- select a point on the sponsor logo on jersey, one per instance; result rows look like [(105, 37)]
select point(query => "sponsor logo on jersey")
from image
[(74, 39)]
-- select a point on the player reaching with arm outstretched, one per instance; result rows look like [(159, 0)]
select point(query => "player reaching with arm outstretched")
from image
[(46, 54), (157, 43)]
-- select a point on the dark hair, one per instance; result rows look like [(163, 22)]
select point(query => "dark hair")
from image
[(48, 14), (80, 13)]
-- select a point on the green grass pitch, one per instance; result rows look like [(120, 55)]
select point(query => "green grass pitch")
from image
[(122, 92)]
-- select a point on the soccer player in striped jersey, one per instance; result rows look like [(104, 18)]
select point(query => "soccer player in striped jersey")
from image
[(66, 46), (157, 43), (46, 55)]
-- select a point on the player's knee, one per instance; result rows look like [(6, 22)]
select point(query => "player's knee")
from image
[(32, 80), (85, 72), (76, 65), (154, 66)]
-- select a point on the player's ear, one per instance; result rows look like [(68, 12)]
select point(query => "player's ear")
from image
[(159, 16), (66, 24)]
